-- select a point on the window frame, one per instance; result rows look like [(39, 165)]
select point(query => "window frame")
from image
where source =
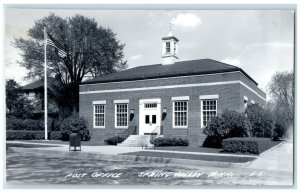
[(116, 122), (187, 114), (94, 116), (201, 108), (168, 48)]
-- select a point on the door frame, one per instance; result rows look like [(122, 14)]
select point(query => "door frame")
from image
[(141, 112)]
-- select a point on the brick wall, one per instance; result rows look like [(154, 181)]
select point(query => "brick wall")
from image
[(230, 97)]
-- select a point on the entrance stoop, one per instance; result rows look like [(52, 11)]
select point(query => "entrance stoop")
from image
[(137, 141)]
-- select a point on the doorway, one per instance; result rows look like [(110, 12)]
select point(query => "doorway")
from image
[(149, 116)]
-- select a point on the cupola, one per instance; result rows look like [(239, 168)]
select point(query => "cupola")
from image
[(169, 49)]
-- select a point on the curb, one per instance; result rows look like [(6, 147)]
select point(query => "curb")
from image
[(34, 143), (144, 159)]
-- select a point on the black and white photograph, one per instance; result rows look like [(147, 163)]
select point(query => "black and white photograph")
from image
[(170, 97)]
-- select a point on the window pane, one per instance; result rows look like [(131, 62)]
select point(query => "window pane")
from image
[(209, 111), (122, 114), (147, 119), (180, 113), (99, 115), (154, 119)]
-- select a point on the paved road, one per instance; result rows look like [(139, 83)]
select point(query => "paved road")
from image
[(55, 169)]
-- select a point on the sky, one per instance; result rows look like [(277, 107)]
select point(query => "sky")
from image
[(261, 42)]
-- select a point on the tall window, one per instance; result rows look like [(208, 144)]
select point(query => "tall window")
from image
[(168, 47), (209, 111), (121, 115), (180, 116), (99, 115)]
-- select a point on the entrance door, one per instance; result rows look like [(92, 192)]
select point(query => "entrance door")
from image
[(150, 116)]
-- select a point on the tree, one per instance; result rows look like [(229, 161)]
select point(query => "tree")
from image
[(11, 87), (261, 120), (91, 51), (282, 91), (17, 105)]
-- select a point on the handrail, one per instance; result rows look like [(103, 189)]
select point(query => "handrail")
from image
[(156, 130)]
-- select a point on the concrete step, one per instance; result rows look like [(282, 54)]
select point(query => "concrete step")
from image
[(137, 141)]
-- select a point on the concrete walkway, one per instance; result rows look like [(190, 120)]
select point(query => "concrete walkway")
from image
[(115, 150), (279, 158)]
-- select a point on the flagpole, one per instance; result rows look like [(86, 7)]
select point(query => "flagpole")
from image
[(45, 85)]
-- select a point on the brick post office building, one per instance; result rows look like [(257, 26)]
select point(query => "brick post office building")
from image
[(175, 98)]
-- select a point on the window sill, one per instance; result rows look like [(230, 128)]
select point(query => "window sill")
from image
[(180, 127), (98, 127), (121, 127)]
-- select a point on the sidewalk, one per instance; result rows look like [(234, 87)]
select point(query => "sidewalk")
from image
[(279, 158)]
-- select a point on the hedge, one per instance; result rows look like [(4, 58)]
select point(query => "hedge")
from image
[(24, 135), (167, 141), (246, 145), (114, 140), (55, 135), (13, 123)]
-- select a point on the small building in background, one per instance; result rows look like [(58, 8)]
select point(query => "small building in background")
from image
[(34, 92)]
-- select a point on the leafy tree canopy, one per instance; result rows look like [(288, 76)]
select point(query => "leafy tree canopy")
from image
[(91, 52), (92, 49), (282, 91)]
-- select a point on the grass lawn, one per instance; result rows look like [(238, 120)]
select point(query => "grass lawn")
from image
[(84, 143), (270, 145), (193, 156), (208, 150)]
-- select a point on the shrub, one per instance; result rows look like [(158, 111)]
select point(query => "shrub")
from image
[(55, 135), (114, 140), (167, 141), (279, 131), (74, 123), (13, 123), (246, 145), (261, 120), (24, 135), (227, 125)]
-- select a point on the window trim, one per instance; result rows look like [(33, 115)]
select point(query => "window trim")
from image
[(209, 97), (181, 98), (201, 108), (118, 103), (94, 116), (168, 42), (103, 102), (173, 114)]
